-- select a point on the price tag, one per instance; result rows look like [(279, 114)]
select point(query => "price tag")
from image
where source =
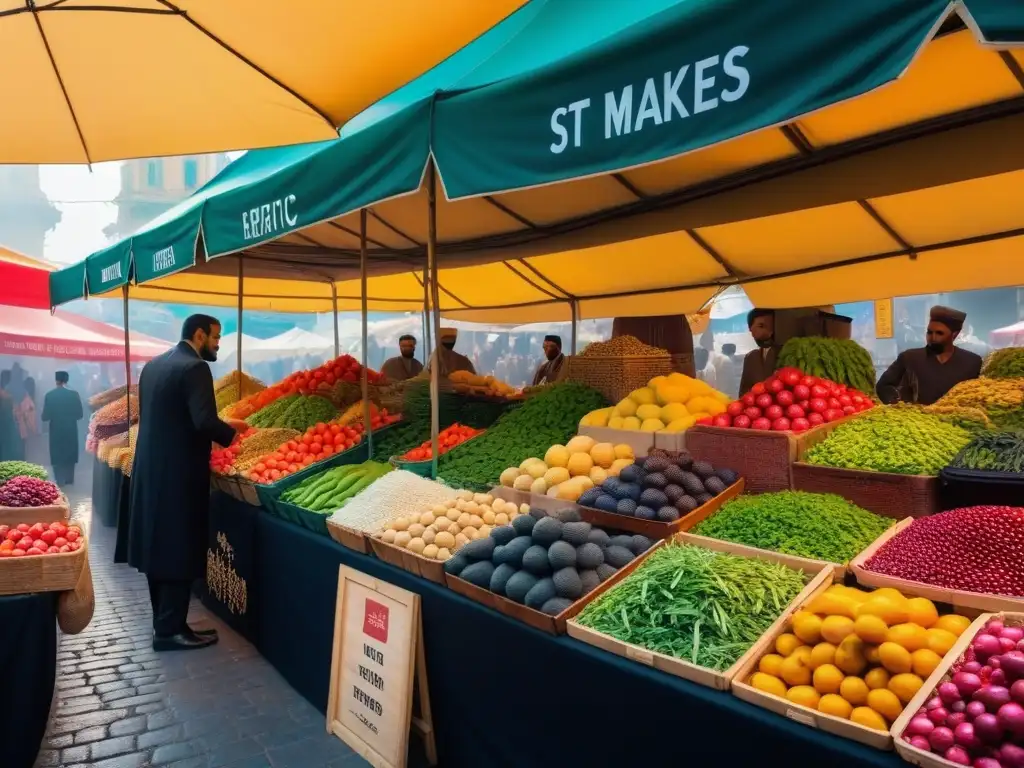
[(640, 655), (802, 717), (883, 319)]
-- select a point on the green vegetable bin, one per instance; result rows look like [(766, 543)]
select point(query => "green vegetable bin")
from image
[(270, 495), (423, 468)]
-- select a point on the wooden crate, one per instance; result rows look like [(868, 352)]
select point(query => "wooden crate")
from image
[(670, 441), (808, 564), (977, 601), (917, 756), (883, 493), (348, 537), (554, 625), (43, 573), (762, 458), (431, 570), (616, 377), (641, 442), (685, 669), (51, 513), (237, 488)]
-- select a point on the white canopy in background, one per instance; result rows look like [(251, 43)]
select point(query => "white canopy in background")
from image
[(229, 346), (294, 342)]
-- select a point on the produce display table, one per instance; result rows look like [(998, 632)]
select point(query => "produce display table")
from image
[(28, 656), (109, 494), (504, 694)]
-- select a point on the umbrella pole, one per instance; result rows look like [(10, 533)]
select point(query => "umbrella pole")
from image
[(363, 382), (427, 343), (575, 320), (435, 371), (334, 305), (127, 357), (238, 338)]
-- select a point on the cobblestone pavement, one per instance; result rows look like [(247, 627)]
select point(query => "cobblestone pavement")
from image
[(120, 705)]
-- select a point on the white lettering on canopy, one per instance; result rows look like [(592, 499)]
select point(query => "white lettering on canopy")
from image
[(660, 101), (113, 272), (163, 259), (268, 218)]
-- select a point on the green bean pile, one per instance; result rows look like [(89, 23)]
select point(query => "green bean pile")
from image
[(822, 526), (993, 452), (695, 604)]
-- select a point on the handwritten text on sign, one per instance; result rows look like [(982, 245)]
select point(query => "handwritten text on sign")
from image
[(375, 684)]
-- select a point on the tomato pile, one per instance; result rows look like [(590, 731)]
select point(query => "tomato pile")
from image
[(790, 401), (344, 368), (222, 459), (24, 540), (454, 435)]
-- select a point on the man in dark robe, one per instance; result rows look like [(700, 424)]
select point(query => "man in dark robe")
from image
[(451, 361), (924, 375), (62, 410), (759, 364), (553, 369), (170, 488), (405, 366)]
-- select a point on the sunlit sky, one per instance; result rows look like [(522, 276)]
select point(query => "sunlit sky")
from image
[(79, 194)]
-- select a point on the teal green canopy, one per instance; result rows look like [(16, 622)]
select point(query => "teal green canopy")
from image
[(560, 90)]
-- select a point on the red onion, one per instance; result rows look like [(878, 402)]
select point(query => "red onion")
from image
[(965, 736), (987, 762), (994, 626), (1011, 717), (958, 755), (998, 677), (977, 549), (1011, 756), (956, 718), (933, 703), (1017, 691), (1013, 633), (986, 645), (920, 742), (920, 726), (974, 709), (1020, 646), (938, 715), (973, 667), (941, 739), (1007, 644), (1013, 663), (988, 729), (993, 697), (949, 692)]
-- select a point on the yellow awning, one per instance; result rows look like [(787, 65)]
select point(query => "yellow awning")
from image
[(913, 188), (109, 79)]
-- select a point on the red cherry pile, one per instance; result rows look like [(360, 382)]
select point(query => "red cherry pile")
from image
[(39, 539), (790, 401)]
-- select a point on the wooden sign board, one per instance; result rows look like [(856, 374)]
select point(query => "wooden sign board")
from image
[(378, 648), (883, 319)]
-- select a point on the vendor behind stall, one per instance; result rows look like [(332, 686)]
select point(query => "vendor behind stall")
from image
[(924, 375), (451, 361), (553, 369), (406, 366), (759, 364)]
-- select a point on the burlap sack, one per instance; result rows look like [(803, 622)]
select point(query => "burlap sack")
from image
[(75, 608)]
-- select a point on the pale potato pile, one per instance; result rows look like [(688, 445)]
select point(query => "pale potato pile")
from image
[(442, 530)]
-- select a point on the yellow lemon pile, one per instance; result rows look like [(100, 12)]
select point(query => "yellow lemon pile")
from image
[(566, 471), (858, 655), (667, 404)]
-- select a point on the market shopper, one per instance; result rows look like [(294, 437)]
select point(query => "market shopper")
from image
[(729, 372), (170, 487), (62, 410), (924, 375), (553, 369), (451, 361), (405, 366), (11, 446), (27, 418), (759, 363)]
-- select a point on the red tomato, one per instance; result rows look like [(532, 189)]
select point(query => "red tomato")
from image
[(328, 450), (742, 421), (52, 550), (722, 420), (774, 386), (6, 545), (316, 448), (819, 405), (6, 553), (33, 551), (60, 541), (761, 423), (795, 412), (753, 412), (790, 376), (781, 425), (833, 414), (17, 553), (14, 535), (74, 546), (785, 398), (764, 400), (72, 536), (848, 409), (23, 544), (24, 527), (735, 408), (48, 536), (800, 425), (773, 412), (758, 389), (4, 529), (65, 548), (802, 392)]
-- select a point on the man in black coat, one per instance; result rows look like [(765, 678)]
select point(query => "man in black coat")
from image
[(170, 487), (62, 409)]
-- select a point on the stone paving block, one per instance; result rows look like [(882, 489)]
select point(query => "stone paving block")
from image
[(161, 736), (120, 745), (128, 727), (74, 754), (137, 760), (92, 733), (170, 753)]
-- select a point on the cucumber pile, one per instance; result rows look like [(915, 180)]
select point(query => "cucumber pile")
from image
[(334, 488)]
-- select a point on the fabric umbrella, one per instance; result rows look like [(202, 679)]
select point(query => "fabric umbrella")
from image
[(24, 282), (93, 80), (66, 336), (812, 180)]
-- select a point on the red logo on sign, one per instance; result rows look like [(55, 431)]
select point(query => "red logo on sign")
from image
[(375, 621)]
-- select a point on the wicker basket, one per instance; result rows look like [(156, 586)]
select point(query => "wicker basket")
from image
[(348, 537), (616, 377), (59, 512), (884, 493), (42, 573)]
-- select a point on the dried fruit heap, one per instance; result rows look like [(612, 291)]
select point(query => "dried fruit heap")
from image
[(976, 549), (622, 346), (24, 491), (1001, 399), (1005, 364)]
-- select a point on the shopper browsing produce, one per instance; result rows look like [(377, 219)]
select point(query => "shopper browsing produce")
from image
[(759, 364), (552, 370), (924, 375), (451, 361), (405, 366), (170, 489)]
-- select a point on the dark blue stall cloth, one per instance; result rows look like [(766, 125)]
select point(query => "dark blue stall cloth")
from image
[(28, 658), (109, 494), (504, 694)]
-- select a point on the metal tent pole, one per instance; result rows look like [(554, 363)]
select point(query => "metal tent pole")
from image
[(334, 304), (238, 338), (427, 343), (575, 319), (127, 357), (435, 369), (364, 383)]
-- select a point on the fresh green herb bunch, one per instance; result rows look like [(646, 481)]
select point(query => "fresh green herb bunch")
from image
[(265, 417), (840, 360), (398, 439), (899, 439), (993, 452), (548, 418), (9, 469), (695, 604), (1004, 364), (822, 526)]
